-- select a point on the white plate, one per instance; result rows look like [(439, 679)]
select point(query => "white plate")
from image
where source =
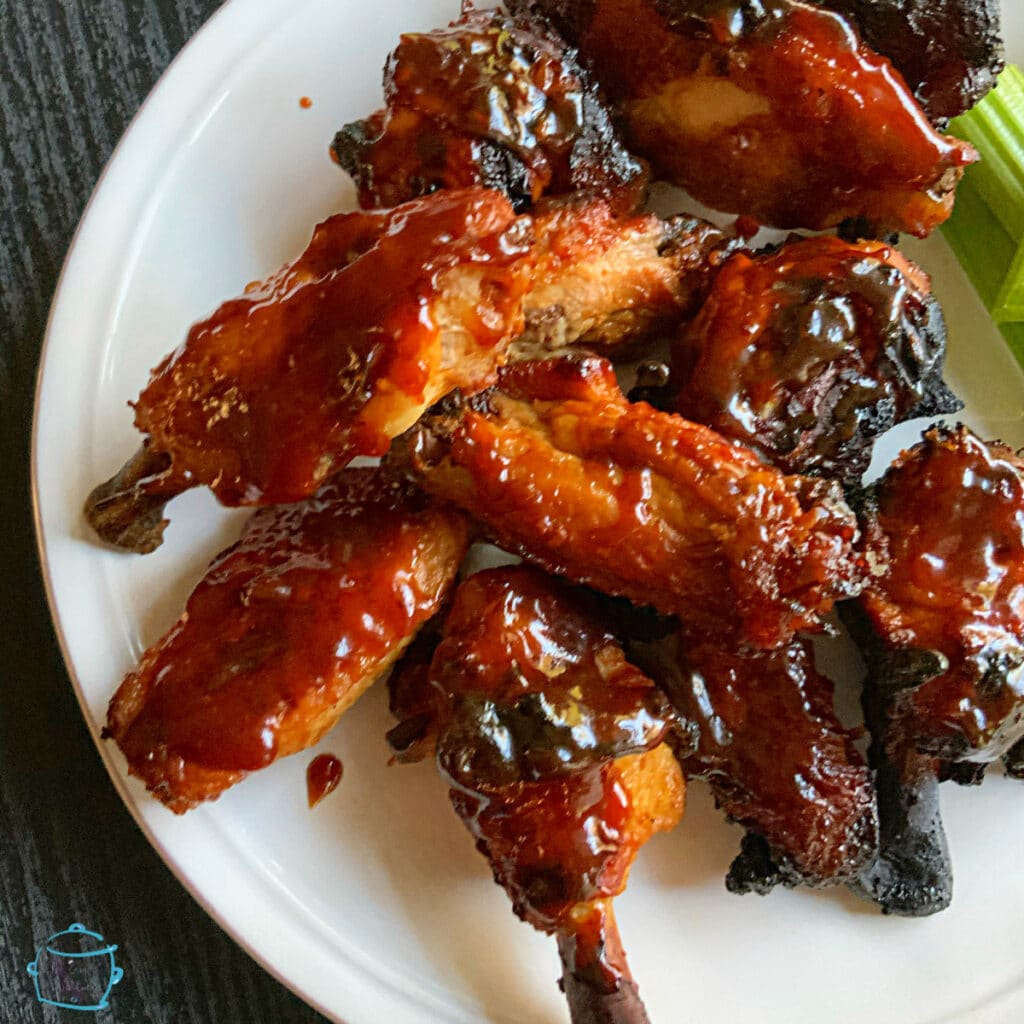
[(375, 907)]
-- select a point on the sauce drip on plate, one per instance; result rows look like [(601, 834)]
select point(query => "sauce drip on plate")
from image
[(322, 777)]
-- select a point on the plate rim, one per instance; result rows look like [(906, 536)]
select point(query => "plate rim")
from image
[(369, 1002)]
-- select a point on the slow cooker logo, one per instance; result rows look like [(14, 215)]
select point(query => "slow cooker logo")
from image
[(75, 969)]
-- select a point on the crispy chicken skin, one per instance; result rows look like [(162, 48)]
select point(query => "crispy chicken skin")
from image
[(552, 744), (775, 110), (942, 628), (286, 630), (608, 281), (948, 51), (777, 758), (561, 469), (490, 100), (384, 314), (810, 352)]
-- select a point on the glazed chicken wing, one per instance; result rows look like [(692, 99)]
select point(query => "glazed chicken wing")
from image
[(490, 100), (384, 314), (776, 756), (811, 352), (552, 744), (287, 629), (942, 627), (776, 110), (330, 358), (561, 469), (948, 51)]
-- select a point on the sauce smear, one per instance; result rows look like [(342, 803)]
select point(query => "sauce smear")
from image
[(322, 777)]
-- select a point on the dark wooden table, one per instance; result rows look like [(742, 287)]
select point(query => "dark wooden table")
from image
[(72, 73)]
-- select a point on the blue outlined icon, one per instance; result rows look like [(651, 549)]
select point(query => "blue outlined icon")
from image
[(75, 969)]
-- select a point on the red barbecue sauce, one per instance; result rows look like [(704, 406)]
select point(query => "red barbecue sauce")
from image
[(322, 777)]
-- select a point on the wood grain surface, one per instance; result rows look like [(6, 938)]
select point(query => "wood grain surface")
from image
[(72, 73)]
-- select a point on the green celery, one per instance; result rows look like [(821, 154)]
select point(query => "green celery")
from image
[(1014, 335), (995, 127), (1009, 303), (986, 230), (980, 241)]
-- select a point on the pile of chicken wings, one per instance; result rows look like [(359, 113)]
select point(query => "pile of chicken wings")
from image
[(469, 325)]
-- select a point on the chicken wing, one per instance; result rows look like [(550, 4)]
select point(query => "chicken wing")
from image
[(948, 51), (286, 630), (777, 758), (775, 109), (561, 469), (942, 627), (332, 356), (381, 316), (552, 744), (490, 100), (810, 352)]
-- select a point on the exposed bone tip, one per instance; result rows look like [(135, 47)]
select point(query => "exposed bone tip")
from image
[(596, 980), (901, 891), (127, 511)]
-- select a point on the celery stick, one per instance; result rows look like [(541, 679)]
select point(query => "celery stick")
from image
[(986, 230), (1009, 304), (1014, 335), (995, 127), (980, 241)]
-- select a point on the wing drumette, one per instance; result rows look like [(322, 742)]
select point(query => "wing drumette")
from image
[(564, 471), (775, 110), (810, 352), (381, 316), (776, 756), (287, 629), (942, 627), (552, 744), (948, 51), (330, 358), (490, 100)]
